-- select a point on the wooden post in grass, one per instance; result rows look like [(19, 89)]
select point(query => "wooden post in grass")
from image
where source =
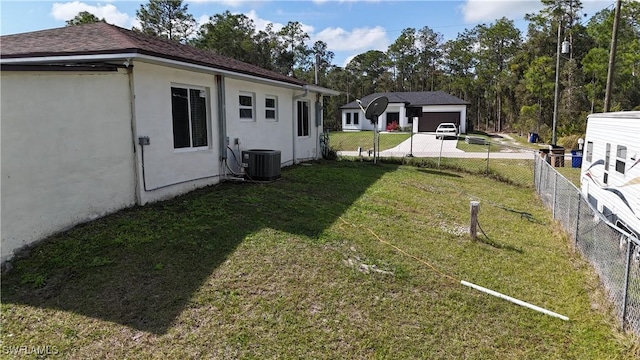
[(473, 226)]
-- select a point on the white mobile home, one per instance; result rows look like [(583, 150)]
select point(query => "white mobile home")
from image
[(96, 118), (610, 174)]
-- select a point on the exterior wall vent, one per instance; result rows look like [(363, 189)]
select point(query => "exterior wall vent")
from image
[(261, 164)]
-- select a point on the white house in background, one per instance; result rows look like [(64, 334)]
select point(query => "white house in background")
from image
[(431, 108), (96, 118)]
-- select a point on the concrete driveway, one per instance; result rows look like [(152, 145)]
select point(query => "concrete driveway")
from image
[(426, 145)]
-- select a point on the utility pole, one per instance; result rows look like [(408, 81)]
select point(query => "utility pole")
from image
[(557, 88), (612, 57)]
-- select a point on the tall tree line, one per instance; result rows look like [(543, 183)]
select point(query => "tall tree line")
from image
[(507, 77)]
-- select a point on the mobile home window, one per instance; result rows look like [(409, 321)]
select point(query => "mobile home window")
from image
[(303, 118), (245, 102), (348, 122), (189, 115), (607, 160), (271, 108), (356, 119), (589, 154), (621, 158)]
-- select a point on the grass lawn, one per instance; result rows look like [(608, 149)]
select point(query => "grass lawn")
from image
[(572, 174), (334, 260), (351, 140)]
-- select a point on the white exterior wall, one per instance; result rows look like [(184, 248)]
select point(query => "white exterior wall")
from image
[(66, 151), (363, 123), (404, 121), (70, 150), (260, 133), (167, 171)]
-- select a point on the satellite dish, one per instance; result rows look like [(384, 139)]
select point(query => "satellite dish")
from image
[(376, 107)]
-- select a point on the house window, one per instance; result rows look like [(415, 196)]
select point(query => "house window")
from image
[(189, 114), (348, 119), (589, 154), (356, 120), (303, 118), (621, 158), (246, 106), (271, 108)]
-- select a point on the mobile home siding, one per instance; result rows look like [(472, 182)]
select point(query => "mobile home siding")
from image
[(619, 133)]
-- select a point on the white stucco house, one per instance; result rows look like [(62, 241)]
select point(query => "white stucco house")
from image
[(427, 109), (96, 118)]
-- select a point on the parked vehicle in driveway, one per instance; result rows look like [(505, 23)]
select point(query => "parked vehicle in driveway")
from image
[(446, 129)]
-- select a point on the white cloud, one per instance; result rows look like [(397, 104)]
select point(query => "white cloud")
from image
[(230, 3), (343, 1), (489, 10), (67, 11), (203, 19), (338, 39), (261, 24), (475, 11)]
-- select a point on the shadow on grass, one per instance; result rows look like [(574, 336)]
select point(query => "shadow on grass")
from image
[(140, 266), (439, 173)]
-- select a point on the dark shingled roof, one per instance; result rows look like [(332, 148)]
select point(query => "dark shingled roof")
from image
[(415, 98), (102, 38)]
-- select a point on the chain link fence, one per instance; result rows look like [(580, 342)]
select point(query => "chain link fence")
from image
[(499, 157), (615, 255)]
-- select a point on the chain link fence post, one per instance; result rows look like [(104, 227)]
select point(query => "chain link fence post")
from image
[(555, 191), (577, 227), (626, 283)]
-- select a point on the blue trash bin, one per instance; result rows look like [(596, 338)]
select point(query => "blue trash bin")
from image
[(576, 158), (533, 137)]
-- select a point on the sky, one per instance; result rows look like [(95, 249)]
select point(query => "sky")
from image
[(348, 27)]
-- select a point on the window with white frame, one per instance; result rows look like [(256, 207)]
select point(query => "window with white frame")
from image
[(348, 121), (303, 118), (271, 108), (246, 106), (589, 154), (356, 119), (189, 115)]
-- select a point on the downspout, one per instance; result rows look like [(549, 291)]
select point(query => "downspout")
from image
[(132, 108), (319, 118), (222, 123), (294, 122)]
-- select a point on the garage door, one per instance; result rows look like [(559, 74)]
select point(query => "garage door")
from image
[(429, 121)]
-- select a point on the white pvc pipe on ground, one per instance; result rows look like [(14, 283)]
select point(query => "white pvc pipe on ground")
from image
[(514, 300)]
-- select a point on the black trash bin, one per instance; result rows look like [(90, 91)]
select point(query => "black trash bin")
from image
[(576, 158)]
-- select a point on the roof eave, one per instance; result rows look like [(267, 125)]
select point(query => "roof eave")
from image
[(133, 54), (321, 90)]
